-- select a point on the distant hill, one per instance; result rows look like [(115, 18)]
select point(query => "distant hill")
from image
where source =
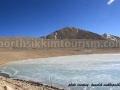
[(73, 33)]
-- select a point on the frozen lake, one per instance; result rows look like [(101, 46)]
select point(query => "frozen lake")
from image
[(61, 71)]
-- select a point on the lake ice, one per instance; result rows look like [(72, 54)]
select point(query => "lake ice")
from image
[(61, 71)]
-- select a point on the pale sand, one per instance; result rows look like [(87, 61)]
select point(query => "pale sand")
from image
[(15, 55)]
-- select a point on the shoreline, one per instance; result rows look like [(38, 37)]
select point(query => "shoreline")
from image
[(12, 56), (34, 83), (21, 84), (9, 82), (39, 84), (4, 75)]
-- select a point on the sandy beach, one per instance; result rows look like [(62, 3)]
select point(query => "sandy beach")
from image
[(7, 56)]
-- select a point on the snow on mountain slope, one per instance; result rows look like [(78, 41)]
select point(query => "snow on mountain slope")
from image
[(111, 37)]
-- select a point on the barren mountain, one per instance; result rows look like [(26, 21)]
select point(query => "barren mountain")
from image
[(74, 33)]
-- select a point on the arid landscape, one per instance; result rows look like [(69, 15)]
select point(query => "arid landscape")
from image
[(17, 48)]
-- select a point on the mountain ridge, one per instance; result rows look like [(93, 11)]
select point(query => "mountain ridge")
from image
[(73, 33)]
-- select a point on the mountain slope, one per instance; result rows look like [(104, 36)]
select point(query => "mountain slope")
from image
[(74, 33), (111, 37)]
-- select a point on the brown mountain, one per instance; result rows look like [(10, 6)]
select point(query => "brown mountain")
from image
[(74, 33)]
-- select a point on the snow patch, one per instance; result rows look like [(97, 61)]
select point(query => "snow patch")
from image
[(56, 33), (55, 37), (111, 37), (71, 28), (77, 29)]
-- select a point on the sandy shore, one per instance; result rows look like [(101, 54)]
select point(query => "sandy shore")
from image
[(15, 55)]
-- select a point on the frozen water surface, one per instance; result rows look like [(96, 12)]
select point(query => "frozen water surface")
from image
[(61, 71)]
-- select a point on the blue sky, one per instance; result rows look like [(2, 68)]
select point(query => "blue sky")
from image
[(35, 18)]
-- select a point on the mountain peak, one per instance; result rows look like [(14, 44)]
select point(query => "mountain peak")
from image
[(74, 33)]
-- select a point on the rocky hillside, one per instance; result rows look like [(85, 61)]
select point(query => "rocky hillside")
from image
[(111, 37), (73, 33)]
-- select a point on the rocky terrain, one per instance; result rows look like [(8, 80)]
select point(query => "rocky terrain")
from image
[(77, 33), (111, 37), (73, 33), (10, 84)]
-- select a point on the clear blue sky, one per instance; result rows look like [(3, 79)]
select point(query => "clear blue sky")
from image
[(36, 18)]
